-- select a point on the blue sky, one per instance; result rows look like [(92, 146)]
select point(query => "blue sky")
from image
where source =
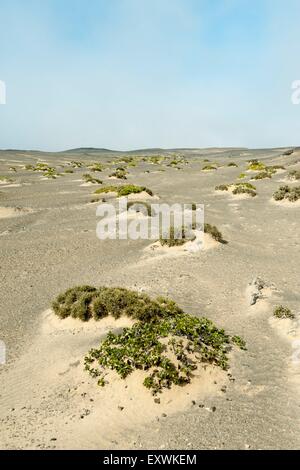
[(127, 74)]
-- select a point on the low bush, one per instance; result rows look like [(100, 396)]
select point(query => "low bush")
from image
[(214, 232), (222, 187), (176, 236), (283, 312), (124, 190), (287, 192), (89, 179), (208, 167), (294, 174)]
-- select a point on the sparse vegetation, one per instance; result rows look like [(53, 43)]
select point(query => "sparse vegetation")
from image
[(124, 190), (214, 232), (176, 236), (232, 164), (244, 190), (5, 179), (294, 174), (242, 175), (209, 168), (256, 165), (262, 175), (222, 187), (288, 152), (89, 179), (76, 164), (139, 206), (287, 192), (119, 173), (94, 167), (283, 312), (238, 188)]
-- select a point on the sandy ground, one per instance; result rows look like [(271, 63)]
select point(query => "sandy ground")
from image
[(48, 243)]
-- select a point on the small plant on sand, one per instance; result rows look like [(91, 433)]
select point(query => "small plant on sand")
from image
[(76, 164), (126, 160), (13, 168), (5, 179), (288, 152), (283, 312), (232, 164), (244, 190), (222, 187), (94, 167), (242, 175), (89, 179), (176, 236), (51, 173), (119, 173), (140, 206), (256, 165), (29, 167), (124, 190), (214, 232), (69, 170), (262, 175), (209, 168), (294, 174), (287, 192)]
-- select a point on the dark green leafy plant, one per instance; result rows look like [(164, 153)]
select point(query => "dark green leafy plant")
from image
[(168, 350), (283, 312)]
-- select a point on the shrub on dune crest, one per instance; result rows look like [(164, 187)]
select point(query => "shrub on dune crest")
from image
[(165, 342), (124, 190)]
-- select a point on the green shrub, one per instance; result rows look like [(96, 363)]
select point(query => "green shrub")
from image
[(149, 346), (242, 175), (286, 192), (124, 190), (262, 175), (244, 190), (233, 164), (142, 207), (86, 302), (208, 167), (222, 187), (76, 164), (255, 165), (120, 174), (4, 179), (214, 232), (69, 170), (283, 312), (294, 174), (176, 236), (89, 179)]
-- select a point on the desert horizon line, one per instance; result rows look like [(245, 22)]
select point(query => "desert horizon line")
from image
[(147, 149)]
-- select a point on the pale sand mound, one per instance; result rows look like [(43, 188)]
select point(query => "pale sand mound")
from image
[(56, 403), (202, 242), (7, 212)]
